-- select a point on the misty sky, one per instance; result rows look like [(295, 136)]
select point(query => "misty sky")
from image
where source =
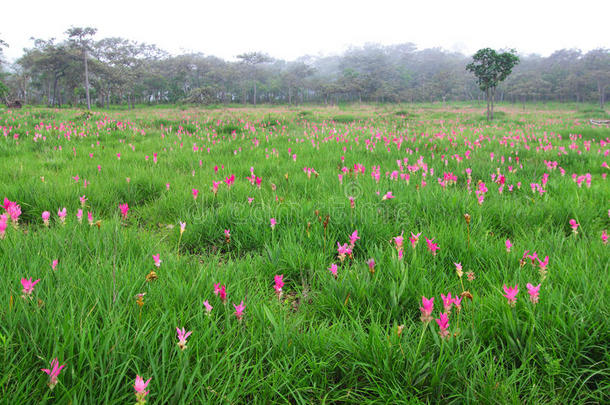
[(289, 29)]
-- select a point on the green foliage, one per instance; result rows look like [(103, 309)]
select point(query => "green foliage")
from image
[(328, 340), (490, 68)]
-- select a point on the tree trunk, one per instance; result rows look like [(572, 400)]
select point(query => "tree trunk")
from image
[(493, 94), (255, 92), (487, 98), (290, 95), (87, 81), (55, 91)]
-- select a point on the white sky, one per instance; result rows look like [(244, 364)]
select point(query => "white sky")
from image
[(288, 29)]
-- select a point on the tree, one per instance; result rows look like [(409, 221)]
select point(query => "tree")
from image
[(597, 62), (491, 68), (81, 37), (252, 60)]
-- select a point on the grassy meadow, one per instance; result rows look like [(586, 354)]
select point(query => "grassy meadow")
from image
[(109, 311)]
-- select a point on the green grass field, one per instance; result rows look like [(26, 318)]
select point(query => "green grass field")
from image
[(353, 338)]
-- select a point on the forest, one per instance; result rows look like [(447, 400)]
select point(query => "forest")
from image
[(58, 72)]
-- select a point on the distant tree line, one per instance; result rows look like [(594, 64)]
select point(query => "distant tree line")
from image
[(82, 70)]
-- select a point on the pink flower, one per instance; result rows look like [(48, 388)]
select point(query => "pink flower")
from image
[(414, 239), (195, 193), (124, 208), (511, 294), (2, 226), (508, 245), (426, 309), (157, 260), (443, 324), (447, 302), (227, 233), (140, 386), (208, 307), (543, 263), (220, 291), (387, 196), (371, 264), (604, 237), (250, 199), (398, 241), (333, 269), (62, 215), (82, 199), (90, 217), (574, 225), (53, 372), (533, 292), (182, 336), (432, 247), (458, 269), (239, 310), (273, 223), (279, 283), (353, 238), (45, 217), (343, 250), (182, 227), (457, 301), (54, 264), (28, 286), (215, 185), (167, 186), (79, 215)]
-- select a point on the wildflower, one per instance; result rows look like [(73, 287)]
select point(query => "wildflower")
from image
[(79, 215), (182, 227), (54, 264), (426, 309), (533, 292), (443, 324), (221, 291), (273, 223), (90, 217), (458, 269), (470, 275), (508, 245), (124, 208), (215, 185), (342, 251), (53, 372), (414, 239), (227, 236), (208, 307), (511, 294), (45, 217), (574, 226), (195, 193), (432, 247), (182, 336), (157, 260), (447, 302), (353, 238), (2, 226), (140, 299), (62, 215), (604, 237), (543, 264), (333, 269), (457, 301), (352, 202), (167, 186), (279, 283), (398, 241), (140, 386), (239, 310), (28, 286), (250, 199), (371, 264), (82, 199), (387, 196)]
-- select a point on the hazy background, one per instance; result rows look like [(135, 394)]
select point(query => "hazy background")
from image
[(287, 30)]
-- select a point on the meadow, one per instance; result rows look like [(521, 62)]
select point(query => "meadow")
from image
[(301, 246)]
